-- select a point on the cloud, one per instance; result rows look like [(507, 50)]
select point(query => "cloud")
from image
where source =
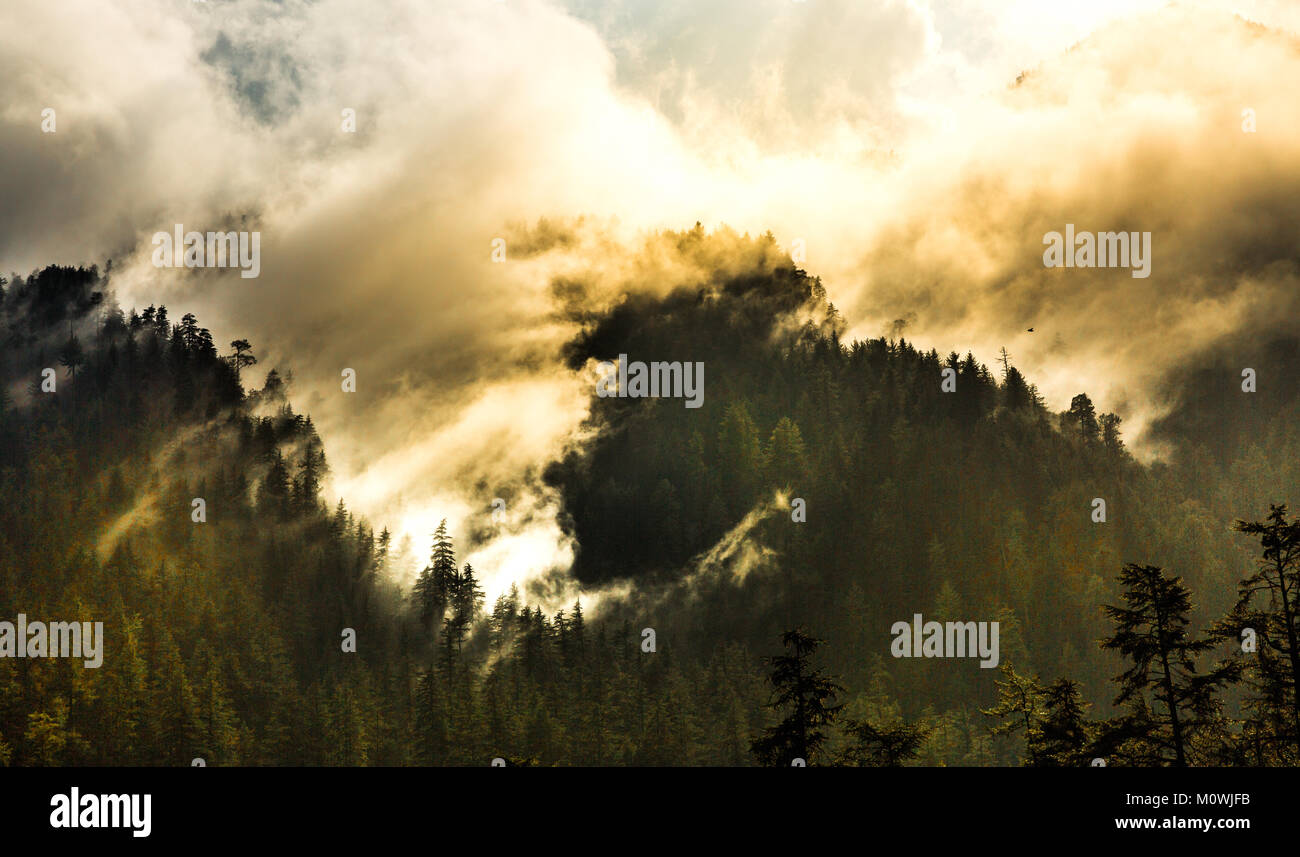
[(781, 71), (375, 245), (882, 134), (1120, 133)]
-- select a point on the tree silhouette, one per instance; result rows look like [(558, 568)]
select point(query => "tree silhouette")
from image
[(882, 746), (1110, 432), (1064, 730), (1019, 709), (807, 695), (1084, 415), (72, 356), (1151, 631), (437, 582), (242, 356), (1268, 604)]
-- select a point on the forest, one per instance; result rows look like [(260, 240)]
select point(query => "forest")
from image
[(1165, 634)]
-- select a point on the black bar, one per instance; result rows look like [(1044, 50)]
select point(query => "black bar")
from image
[(383, 806)]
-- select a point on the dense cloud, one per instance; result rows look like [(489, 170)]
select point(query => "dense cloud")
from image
[(1124, 132), (883, 135)]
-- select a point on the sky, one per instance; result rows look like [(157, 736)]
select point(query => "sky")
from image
[(891, 139)]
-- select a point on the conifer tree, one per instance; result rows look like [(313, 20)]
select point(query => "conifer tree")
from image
[(806, 695), (1084, 415), (1151, 630), (1064, 730), (435, 585), (882, 746), (785, 454), (1267, 613), (1020, 708), (72, 356)]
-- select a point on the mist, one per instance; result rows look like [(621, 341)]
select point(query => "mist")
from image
[(919, 175)]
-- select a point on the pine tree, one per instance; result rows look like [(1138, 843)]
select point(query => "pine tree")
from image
[(443, 562), (468, 600), (72, 356), (807, 694), (433, 588), (1110, 432), (785, 454), (1016, 393), (1083, 414), (310, 472), (578, 630), (1151, 630), (1268, 604), (242, 356), (882, 746), (1020, 708), (1064, 730), (273, 495)]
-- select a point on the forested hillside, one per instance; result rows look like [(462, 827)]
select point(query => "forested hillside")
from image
[(974, 504), (224, 636)]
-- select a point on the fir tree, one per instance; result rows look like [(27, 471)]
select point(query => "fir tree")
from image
[(1151, 630), (807, 696)]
